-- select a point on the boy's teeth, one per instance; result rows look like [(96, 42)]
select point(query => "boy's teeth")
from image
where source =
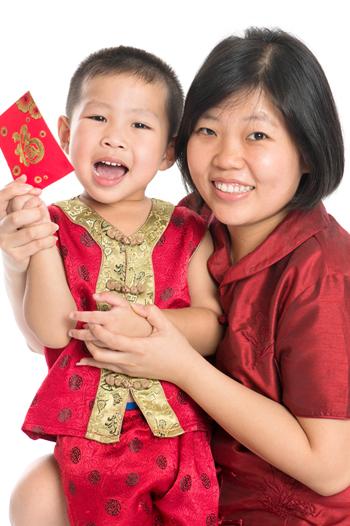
[(232, 188), (108, 163), (109, 170)]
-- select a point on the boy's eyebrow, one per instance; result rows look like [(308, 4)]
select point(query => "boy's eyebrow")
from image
[(95, 102), (144, 110)]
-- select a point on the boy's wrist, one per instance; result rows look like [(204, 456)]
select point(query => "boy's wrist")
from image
[(11, 265)]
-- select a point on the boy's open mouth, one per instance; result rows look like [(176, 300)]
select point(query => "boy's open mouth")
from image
[(110, 170)]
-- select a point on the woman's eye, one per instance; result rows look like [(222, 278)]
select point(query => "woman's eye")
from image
[(98, 118), (140, 126), (205, 131), (257, 136)]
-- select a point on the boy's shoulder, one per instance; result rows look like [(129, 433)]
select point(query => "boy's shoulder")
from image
[(179, 214)]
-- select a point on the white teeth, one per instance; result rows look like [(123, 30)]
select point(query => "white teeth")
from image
[(108, 163), (232, 188)]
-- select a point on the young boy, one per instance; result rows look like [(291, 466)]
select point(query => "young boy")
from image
[(133, 448)]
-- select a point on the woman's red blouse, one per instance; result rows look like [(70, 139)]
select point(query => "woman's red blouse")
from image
[(287, 306)]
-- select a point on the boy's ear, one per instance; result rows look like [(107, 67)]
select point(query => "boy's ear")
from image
[(64, 132), (169, 155)]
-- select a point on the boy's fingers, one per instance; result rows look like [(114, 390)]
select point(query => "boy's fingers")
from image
[(33, 202), (21, 218), (25, 251), (23, 201), (13, 189), (29, 234), (88, 316), (112, 298), (82, 334), (21, 178)]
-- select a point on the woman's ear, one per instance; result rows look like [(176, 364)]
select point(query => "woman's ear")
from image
[(304, 166), (64, 132), (169, 155)]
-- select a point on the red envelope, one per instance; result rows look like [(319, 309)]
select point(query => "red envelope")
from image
[(28, 145)]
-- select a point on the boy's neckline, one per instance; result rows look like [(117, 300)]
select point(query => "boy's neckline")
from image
[(114, 226)]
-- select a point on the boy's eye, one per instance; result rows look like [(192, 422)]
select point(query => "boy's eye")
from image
[(205, 131), (98, 118), (257, 136), (140, 126)]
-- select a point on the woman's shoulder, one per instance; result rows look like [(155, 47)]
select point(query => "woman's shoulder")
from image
[(327, 251), (321, 263)]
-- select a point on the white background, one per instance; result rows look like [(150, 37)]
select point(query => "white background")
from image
[(42, 43)]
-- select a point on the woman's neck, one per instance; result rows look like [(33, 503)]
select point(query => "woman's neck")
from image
[(246, 238)]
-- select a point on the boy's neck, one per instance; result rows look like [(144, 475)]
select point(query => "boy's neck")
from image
[(127, 215)]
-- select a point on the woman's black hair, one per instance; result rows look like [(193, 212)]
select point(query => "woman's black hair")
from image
[(286, 71)]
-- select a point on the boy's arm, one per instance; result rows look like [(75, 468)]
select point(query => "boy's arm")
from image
[(23, 231), (199, 323), (47, 299)]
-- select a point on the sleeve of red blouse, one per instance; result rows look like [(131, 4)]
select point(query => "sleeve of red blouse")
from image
[(313, 349)]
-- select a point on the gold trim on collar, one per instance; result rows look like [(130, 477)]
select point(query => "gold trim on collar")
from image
[(126, 268)]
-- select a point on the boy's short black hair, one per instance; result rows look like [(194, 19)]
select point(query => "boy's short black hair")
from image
[(283, 68), (125, 59)]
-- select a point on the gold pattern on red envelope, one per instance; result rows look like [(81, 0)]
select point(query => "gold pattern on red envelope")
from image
[(28, 145), (27, 104), (30, 149)]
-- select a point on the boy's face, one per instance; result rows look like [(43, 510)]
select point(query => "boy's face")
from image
[(117, 137)]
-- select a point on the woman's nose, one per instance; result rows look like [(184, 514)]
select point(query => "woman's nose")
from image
[(229, 156)]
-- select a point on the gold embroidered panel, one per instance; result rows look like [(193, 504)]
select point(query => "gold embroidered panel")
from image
[(126, 269)]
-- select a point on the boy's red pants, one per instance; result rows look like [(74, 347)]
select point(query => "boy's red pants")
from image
[(141, 480)]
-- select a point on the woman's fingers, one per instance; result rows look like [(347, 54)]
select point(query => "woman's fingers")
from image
[(100, 365), (153, 315)]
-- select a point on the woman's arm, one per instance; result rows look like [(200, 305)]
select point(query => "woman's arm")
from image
[(312, 450)]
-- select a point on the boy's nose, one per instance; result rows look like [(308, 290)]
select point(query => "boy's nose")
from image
[(113, 142), (113, 137)]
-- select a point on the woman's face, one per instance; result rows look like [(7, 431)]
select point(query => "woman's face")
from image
[(244, 162)]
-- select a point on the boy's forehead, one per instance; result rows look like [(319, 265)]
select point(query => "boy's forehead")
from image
[(116, 82)]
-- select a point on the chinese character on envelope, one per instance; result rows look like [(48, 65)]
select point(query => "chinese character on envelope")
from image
[(28, 145)]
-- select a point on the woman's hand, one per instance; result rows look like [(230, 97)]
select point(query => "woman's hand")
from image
[(120, 319), (165, 354)]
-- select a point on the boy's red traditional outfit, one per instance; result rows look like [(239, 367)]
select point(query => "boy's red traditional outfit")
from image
[(145, 465)]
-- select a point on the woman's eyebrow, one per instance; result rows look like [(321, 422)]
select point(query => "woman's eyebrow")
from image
[(210, 116), (261, 116)]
